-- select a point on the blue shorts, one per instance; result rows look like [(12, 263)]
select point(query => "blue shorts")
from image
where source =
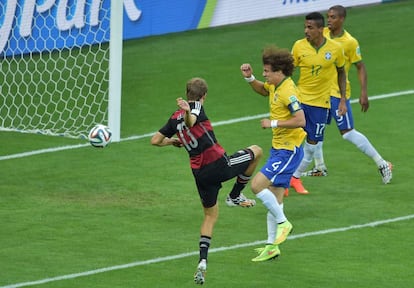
[(343, 122), (281, 165), (316, 119)]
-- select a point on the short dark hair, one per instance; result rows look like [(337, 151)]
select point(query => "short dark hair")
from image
[(341, 10), (317, 17)]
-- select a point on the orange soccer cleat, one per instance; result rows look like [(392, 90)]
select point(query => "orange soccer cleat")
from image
[(296, 183)]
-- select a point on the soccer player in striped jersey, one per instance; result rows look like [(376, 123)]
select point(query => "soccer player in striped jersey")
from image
[(318, 59), (209, 162), (286, 121), (345, 123)]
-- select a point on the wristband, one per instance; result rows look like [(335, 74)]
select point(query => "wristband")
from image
[(273, 123), (250, 79)]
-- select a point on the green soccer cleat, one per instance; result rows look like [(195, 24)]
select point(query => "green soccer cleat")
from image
[(259, 250), (269, 252), (283, 230)]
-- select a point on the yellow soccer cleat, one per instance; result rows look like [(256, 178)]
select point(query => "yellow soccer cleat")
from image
[(269, 252)]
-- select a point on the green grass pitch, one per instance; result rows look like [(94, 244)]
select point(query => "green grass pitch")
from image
[(79, 210)]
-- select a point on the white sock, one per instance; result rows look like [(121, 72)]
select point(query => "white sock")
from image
[(308, 151), (318, 156), (271, 228), (270, 202), (363, 144)]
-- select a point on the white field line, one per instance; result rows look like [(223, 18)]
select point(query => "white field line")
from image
[(225, 122), (194, 253)]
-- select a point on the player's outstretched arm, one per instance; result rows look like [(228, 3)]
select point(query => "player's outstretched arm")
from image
[(160, 140), (258, 86)]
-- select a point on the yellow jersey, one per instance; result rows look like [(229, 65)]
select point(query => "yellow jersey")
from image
[(352, 55), (317, 69), (283, 102)]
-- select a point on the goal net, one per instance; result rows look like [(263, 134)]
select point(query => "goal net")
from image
[(55, 65)]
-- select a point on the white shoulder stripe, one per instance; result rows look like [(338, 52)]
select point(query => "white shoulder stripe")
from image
[(197, 108)]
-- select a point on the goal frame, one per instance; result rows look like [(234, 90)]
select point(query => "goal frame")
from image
[(36, 92), (115, 69)]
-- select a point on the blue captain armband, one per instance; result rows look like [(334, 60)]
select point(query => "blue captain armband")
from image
[(294, 104)]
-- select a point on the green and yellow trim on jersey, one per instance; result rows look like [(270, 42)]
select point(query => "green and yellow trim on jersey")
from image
[(317, 68), (283, 102)]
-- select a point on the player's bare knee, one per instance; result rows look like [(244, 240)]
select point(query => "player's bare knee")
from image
[(257, 151)]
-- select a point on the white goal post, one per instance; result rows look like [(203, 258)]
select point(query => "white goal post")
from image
[(61, 66), (115, 70)]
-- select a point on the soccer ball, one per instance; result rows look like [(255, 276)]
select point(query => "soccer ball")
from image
[(100, 136)]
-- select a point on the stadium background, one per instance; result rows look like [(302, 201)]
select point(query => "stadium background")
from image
[(143, 18)]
